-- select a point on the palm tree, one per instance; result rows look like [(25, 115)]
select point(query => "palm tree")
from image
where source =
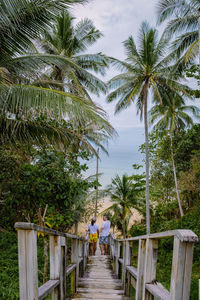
[(184, 16), (170, 119), (124, 193), (145, 69), (72, 41), (21, 101), (23, 21)]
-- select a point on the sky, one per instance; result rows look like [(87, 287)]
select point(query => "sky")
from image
[(118, 19)]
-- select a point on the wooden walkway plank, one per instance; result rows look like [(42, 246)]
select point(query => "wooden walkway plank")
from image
[(99, 281)]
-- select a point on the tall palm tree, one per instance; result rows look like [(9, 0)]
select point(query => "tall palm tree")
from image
[(72, 41), (146, 68), (183, 15), (21, 101), (169, 119), (124, 193)]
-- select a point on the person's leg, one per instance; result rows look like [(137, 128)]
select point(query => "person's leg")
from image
[(91, 249), (101, 248), (106, 245), (94, 247), (106, 249)]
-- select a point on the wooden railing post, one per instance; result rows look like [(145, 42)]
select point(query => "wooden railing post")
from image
[(117, 255), (55, 263), (150, 266), (181, 270), (81, 258), (75, 260), (85, 254), (127, 262), (140, 269), (63, 269), (28, 277)]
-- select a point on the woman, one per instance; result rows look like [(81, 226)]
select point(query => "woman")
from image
[(94, 235)]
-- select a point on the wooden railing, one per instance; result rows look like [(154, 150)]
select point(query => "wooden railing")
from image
[(143, 278), (28, 267)]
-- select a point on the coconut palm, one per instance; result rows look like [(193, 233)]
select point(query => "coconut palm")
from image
[(22, 21), (124, 195), (146, 68), (170, 119), (21, 102), (72, 41), (184, 23)]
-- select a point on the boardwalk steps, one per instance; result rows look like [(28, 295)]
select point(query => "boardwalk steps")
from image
[(99, 281), (93, 277)]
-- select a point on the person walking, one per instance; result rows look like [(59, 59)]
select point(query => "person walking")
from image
[(93, 229), (104, 232)]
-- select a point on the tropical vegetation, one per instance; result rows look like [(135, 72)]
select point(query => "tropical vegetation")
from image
[(146, 69), (126, 193), (51, 127), (182, 17)]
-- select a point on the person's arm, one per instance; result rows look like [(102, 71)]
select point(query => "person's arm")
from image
[(98, 233), (101, 228)]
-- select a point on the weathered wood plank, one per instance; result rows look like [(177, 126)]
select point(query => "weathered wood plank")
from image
[(140, 269), (70, 268), (55, 263), (132, 270), (158, 291), (49, 231), (187, 271), (63, 246), (182, 234), (27, 249), (150, 266), (178, 263), (117, 254), (127, 262), (47, 288)]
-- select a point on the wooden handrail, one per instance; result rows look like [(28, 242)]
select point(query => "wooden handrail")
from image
[(28, 270), (182, 234), (143, 278), (48, 231)]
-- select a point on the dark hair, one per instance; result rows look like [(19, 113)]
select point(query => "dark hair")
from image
[(92, 222), (105, 216)]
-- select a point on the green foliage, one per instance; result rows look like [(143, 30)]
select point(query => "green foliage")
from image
[(165, 212), (50, 178), (126, 193), (182, 19), (9, 288)]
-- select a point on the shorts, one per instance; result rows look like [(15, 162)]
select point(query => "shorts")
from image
[(93, 238), (103, 240)]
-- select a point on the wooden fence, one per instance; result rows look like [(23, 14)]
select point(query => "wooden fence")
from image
[(143, 278), (28, 267)]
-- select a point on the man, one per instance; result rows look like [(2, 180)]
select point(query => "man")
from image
[(104, 232)]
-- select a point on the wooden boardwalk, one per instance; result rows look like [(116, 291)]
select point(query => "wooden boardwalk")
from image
[(99, 281), (93, 278)]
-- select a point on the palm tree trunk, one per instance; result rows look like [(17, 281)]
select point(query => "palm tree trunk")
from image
[(124, 228), (199, 31), (146, 158), (175, 177)]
